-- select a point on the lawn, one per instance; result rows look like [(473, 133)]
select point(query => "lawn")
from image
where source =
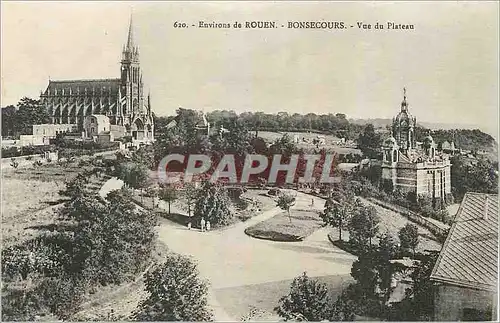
[(261, 299), (271, 136), (282, 228), (391, 222), (31, 199)]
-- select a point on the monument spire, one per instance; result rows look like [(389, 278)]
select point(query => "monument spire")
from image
[(404, 104)]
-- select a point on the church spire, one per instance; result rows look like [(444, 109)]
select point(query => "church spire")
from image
[(130, 39), (130, 50)]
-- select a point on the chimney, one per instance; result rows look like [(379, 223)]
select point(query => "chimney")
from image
[(485, 211)]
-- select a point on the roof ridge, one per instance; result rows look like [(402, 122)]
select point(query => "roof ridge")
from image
[(83, 80)]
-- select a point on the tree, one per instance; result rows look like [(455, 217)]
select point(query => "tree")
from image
[(153, 192), (408, 236), (369, 141), (424, 202), (176, 293), (190, 195), (135, 175), (363, 226), (344, 309), (8, 121), (29, 112), (417, 305), (283, 146), (113, 238), (145, 156), (285, 201), (479, 176), (307, 300), (168, 194), (387, 251), (339, 209), (213, 205)]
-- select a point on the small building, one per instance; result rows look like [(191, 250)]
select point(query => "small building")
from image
[(466, 271), (52, 130), (30, 140), (95, 124)]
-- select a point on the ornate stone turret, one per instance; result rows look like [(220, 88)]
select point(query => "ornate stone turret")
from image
[(403, 127), (429, 147), (391, 150)]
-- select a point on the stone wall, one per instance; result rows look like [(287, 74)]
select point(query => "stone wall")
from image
[(451, 301)]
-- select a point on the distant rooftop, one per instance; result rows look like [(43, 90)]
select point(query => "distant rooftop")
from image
[(469, 257)]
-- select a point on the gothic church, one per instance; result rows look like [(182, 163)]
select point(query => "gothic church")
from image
[(122, 99)]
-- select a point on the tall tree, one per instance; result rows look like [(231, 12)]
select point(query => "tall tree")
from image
[(168, 194), (190, 195), (363, 226), (408, 236), (30, 112), (339, 209), (214, 205), (369, 142), (9, 121), (135, 175)]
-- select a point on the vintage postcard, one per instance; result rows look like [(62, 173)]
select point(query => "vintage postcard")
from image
[(249, 161)]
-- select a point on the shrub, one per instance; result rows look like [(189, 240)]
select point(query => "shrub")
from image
[(176, 293), (408, 236), (14, 163), (307, 300), (16, 262), (62, 295)]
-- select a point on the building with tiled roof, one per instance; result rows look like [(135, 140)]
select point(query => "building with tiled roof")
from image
[(466, 272), (409, 167), (121, 99)]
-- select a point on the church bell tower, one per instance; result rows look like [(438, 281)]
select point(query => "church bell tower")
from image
[(131, 78)]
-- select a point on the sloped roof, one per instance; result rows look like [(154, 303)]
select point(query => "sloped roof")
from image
[(79, 86), (469, 256), (100, 118)]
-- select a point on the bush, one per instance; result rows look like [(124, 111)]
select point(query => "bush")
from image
[(14, 163), (176, 293), (308, 300), (62, 295), (408, 236), (16, 262)]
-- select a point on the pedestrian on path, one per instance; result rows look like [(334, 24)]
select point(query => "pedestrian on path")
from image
[(208, 225), (189, 225), (202, 224)]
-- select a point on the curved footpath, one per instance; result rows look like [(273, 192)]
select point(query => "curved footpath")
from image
[(229, 258)]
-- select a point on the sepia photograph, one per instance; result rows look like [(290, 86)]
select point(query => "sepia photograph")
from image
[(253, 161)]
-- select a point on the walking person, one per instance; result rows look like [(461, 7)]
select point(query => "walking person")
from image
[(202, 224), (189, 225), (208, 225)]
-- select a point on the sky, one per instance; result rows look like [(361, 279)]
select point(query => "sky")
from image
[(448, 63)]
